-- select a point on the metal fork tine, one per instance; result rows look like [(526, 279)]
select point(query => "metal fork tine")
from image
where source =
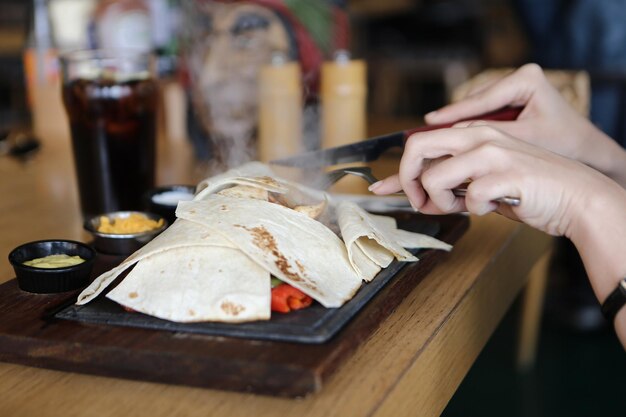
[(363, 172), (331, 177)]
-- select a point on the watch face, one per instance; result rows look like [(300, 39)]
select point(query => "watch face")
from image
[(622, 285)]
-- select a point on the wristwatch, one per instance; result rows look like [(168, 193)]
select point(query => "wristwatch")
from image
[(615, 301)]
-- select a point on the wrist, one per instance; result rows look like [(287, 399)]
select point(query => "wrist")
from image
[(617, 167), (602, 153), (597, 230)]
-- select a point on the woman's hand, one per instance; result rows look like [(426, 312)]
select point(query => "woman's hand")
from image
[(554, 191), (546, 121), (558, 195)]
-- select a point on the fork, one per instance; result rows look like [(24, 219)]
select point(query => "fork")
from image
[(332, 177)]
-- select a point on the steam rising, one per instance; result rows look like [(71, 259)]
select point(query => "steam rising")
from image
[(227, 44)]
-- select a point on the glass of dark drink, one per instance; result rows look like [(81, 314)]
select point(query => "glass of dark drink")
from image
[(111, 98)]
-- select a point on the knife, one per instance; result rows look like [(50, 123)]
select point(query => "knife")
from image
[(371, 149)]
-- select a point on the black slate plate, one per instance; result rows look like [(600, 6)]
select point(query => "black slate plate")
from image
[(315, 324)]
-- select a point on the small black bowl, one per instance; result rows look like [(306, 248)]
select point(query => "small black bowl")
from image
[(156, 201), (52, 280)]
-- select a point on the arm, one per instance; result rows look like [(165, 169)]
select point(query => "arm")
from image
[(600, 235), (547, 120), (559, 196)]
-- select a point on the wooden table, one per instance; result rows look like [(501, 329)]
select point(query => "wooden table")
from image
[(411, 365)]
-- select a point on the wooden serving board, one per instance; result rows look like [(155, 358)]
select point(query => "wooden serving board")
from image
[(31, 335)]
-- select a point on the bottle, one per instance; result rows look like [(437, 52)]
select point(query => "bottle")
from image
[(280, 109), (343, 95), (41, 72), (165, 33)]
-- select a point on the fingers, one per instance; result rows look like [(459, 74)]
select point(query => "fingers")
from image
[(421, 148), (410, 169), (520, 129), (483, 192), (436, 162), (417, 157), (515, 89), (482, 86), (498, 165), (439, 181), (386, 186)]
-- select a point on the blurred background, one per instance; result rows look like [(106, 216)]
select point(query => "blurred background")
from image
[(413, 56), (416, 51)]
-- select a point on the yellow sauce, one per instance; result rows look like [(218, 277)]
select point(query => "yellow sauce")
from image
[(55, 261), (135, 223)]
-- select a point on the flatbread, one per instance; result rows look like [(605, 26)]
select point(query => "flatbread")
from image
[(417, 240), (312, 210), (252, 174), (197, 284), (406, 239), (374, 241), (214, 262), (249, 169), (245, 191), (263, 183), (293, 247), (181, 233), (362, 234)]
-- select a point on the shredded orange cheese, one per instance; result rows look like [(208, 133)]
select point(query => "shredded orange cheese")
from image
[(135, 223)]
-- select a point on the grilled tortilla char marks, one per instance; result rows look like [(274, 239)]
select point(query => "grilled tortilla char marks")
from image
[(231, 308), (268, 180), (300, 266), (263, 239), (278, 199)]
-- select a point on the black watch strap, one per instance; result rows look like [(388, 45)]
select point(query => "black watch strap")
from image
[(615, 301)]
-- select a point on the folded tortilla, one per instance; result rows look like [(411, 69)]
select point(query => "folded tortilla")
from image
[(253, 174), (413, 240), (290, 245), (214, 262), (374, 241), (180, 234), (197, 283), (249, 169)]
